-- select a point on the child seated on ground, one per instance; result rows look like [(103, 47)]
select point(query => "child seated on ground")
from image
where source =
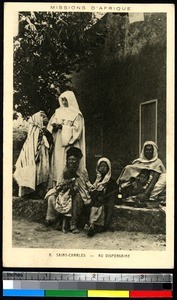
[(137, 185), (64, 192), (103, 194)]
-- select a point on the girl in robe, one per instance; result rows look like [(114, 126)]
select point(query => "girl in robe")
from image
[(103, 194)]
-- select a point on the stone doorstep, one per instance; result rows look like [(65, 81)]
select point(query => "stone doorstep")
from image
[(125, 218)]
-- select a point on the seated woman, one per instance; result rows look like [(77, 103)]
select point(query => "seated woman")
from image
[(79, 193), (32, 166), (103, 193), (157, 174)]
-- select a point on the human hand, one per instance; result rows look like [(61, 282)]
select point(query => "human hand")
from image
[(44, 129), (89, 186), (56, 126), (141, 196)]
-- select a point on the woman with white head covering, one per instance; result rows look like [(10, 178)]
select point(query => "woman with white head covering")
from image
[(32, 166), (103, 194), (67, 128), (148, 160)]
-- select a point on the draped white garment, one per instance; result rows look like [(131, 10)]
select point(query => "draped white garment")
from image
[(153, 164), (28, 173), (71, 134)]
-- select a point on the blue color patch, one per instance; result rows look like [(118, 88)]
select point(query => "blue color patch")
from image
[(23, 293)]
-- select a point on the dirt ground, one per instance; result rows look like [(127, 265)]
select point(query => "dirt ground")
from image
[(34, 235)]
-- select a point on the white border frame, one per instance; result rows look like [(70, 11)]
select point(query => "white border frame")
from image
[(37, 257)]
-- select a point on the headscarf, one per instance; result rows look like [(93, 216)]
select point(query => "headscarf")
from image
[(100, 184), (25, 173), (66, 113), (35, 121), (35, 126), (153, 164), (142, 158), (70, 112), (72, 102)]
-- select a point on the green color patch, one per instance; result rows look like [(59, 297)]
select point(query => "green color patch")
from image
[(65, 293)]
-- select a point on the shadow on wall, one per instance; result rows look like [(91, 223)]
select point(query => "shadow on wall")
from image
[(130, 68), (115, 90)]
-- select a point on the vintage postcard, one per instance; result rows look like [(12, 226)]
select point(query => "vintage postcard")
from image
[(88, 178)]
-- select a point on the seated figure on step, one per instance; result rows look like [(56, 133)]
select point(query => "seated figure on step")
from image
[(151, 194), (70, 194)]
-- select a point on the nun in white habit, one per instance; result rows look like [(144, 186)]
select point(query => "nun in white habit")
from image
[(67, 128)]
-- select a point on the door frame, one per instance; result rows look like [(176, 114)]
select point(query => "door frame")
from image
[(140, 120)]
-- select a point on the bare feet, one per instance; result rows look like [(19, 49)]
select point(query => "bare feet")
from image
[(75, 230)]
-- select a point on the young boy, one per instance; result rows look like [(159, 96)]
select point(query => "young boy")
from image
[(137, 185)]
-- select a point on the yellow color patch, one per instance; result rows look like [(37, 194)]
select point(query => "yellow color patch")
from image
[(107, 293)]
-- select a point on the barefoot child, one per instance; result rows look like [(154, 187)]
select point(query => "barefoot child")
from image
[(103, 193), (64, 192)]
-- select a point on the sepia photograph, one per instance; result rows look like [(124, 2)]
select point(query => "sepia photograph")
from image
[(89, 137)]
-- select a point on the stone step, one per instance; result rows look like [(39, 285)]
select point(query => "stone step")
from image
[(124, 218), (139, 219)]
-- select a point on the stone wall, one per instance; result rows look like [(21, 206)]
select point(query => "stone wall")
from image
[(125, 218)]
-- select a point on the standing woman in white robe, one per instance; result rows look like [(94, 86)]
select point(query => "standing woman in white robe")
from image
[(32, 166), (67, 128)]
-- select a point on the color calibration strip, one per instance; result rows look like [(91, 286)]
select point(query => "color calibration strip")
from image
[(89, 293), (20, 284)]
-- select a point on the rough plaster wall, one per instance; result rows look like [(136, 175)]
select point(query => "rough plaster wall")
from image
[(139, 65), (128, 69)]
